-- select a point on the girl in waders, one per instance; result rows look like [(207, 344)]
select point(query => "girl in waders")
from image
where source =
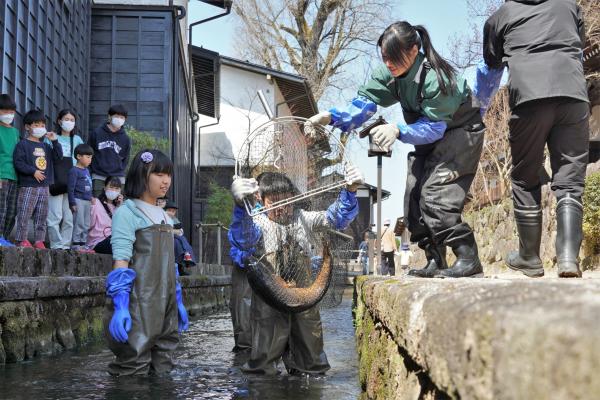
[(145, 309), (446, 130)]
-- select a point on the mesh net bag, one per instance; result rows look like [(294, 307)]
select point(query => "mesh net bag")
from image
[(301, 260)]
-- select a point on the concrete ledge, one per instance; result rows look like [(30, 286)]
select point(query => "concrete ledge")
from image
[(29, 288), (478, 338), (15, 261), (40, 287)]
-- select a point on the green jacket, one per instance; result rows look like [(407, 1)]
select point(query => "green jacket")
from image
[(385, 90), (9, 137)]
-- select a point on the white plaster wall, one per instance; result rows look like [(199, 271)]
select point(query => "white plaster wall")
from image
[(241, 113)]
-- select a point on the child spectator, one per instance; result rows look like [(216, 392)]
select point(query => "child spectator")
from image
[(405, 255), (101, 218), (34, 163), (111, 147), (60, 218), (162, 202), (9, 137), (184, 254), (80, 196), (363, 253)]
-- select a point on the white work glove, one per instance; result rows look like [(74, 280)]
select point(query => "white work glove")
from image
[(242, 188), (352, 175), (322, 118), (385, 135)]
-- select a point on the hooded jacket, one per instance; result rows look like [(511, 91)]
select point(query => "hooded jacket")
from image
[(541, 42), (111, 151)]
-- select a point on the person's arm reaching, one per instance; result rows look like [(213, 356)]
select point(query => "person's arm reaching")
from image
[(243, 236)]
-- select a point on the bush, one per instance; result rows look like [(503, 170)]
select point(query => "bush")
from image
[(144, 140), (591, 214), (219, 205)]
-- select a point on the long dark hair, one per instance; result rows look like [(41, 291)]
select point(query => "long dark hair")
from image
[(60, 116), (398, 39), (110, 181)]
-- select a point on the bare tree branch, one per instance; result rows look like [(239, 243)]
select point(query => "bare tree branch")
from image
[(317, 39)]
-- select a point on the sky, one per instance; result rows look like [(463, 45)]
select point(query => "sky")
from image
[(442, 18)]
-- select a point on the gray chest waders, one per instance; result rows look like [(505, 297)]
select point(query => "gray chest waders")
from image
[(153, 336)]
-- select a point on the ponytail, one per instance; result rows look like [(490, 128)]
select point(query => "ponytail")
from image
[(438, 63), (399, 38)]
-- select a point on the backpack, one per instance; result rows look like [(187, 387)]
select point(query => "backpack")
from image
[(61, 174)]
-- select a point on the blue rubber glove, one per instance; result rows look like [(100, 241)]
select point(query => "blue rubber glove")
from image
[(424, 131), (243, 235), (183, 321), (118, 286), (356, 113), (487, 82), (343, 211)]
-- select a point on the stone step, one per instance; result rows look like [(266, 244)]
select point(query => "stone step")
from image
[(14, 288), (26, 262)]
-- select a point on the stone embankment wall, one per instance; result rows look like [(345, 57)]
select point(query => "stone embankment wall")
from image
[(53, 300), (478, 338)]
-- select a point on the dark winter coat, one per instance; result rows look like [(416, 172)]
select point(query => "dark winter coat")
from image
[(541, 42)]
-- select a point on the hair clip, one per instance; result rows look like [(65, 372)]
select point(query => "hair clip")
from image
[(147, 157)]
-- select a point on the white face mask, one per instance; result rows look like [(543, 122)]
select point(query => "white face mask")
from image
[(7, 118), (112, 194), (67, 126), (117, 122), (38, 132)]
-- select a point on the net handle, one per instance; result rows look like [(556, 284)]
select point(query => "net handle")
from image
[(254, 211)]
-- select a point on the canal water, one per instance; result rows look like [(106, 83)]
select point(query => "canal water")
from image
[(206, 369)]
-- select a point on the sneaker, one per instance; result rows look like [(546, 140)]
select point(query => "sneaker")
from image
[(25, 243), (39, 245), (86, 250), (187, 257), (5, 243)]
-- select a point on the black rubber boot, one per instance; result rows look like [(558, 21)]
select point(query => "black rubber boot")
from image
[(569, 217), (436, 261), (529, 226), (467, 262)]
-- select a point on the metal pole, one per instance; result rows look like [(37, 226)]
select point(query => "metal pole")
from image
[(200, 232), (263, 100), (378, 238), (370, 253), (219, 244)]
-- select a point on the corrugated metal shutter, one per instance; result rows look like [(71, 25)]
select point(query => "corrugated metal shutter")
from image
[(206, 70), (131, 56), (44, 58)]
